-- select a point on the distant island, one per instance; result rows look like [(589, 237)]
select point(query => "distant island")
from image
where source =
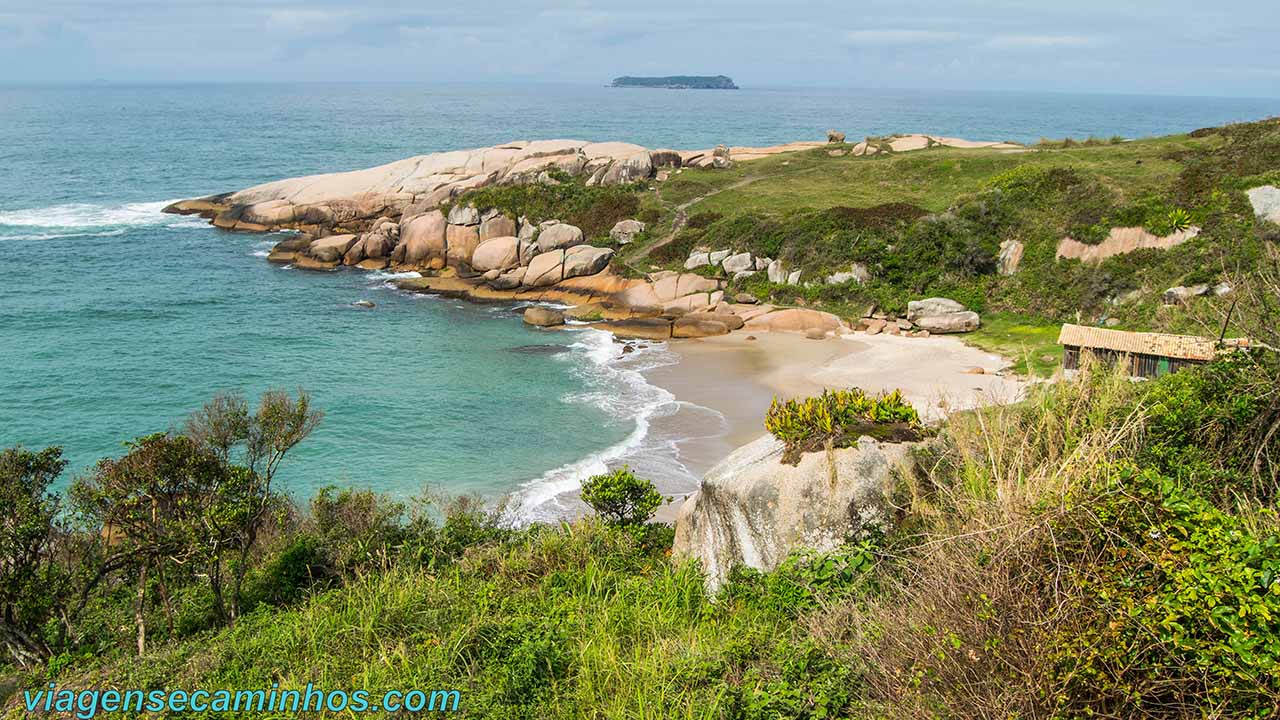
[(678, 82)]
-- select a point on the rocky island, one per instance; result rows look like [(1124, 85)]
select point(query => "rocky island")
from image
[(678, 82)]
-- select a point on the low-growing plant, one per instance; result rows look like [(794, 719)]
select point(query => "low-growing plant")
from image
[(840, 417), (621, 498)]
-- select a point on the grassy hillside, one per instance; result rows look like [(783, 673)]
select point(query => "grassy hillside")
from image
[(931, 222), (1105, 549)]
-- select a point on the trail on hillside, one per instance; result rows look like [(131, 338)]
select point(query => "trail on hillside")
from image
[(682, 210)]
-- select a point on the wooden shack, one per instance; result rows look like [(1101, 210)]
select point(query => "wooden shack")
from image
[(1147, 354)]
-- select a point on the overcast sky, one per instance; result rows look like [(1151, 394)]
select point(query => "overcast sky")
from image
[(1230, 47)]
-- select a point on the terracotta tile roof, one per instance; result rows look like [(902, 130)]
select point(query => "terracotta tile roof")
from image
[(1186, 347)]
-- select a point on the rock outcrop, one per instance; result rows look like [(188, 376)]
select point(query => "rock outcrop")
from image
[(754, 510), (942, 315), (1121, 241), (1266, 202)]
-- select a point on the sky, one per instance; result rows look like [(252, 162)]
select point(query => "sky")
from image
[(1224, 48)]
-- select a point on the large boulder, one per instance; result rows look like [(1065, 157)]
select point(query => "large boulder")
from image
[(624, 231), (835, 136), (460, 244), (501, 253), (725, 317), (582, 260), (942, 315), (558, 237), (777, 272), (637, 328), (543, 317), (423, 238), (1266, 202), (496, 227), (697, 260), (628, 169), (932, 306), (698, 325), (545, 269), (741, 262), (464, 215), (331, 248), (752, 509), (796, 320)]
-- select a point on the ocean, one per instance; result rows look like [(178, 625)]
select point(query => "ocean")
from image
[(117, 321)]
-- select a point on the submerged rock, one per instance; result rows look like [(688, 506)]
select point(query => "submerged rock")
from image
[(752, 509)]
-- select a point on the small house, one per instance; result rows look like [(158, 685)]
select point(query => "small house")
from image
[(1147, 354)]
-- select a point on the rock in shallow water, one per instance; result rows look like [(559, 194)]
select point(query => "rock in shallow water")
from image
[(543, 317)]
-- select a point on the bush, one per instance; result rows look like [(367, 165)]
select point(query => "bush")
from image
[(620, 498), (840, 417), (1179, 605), (593, 209)]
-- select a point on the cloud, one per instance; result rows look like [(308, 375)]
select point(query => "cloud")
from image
[(882, 43), (1038, 41), (889, 37)]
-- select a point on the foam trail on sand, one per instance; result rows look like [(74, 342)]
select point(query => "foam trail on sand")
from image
[(615, 382)]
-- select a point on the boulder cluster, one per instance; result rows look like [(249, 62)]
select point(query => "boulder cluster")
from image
[(741, 265)]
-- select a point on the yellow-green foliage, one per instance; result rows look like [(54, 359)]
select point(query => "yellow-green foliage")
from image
[(832, 413)]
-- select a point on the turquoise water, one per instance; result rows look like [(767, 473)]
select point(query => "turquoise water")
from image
[(116, 320)]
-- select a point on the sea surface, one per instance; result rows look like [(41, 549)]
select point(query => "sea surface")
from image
[(117, 320)]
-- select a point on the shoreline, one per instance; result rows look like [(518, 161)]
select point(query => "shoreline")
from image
[(738, 378)]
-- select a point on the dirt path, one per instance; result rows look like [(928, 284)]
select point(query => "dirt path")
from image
[(682, 210)]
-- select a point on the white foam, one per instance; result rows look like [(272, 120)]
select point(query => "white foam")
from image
[(618, 386), (80, 219)]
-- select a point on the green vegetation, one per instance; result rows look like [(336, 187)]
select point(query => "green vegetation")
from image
[(695, 82), (838, 417), (1031, 343), (594, 209), (933, 222), (620, 498), (1103, 549)]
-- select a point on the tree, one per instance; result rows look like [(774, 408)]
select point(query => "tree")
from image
[(620, 498), (30, 579), (152, 505), (255, 445)]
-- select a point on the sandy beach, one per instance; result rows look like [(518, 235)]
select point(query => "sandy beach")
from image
[(738, 378)]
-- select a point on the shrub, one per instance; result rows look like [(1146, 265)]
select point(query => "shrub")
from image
[(620, 498), (840, 417)]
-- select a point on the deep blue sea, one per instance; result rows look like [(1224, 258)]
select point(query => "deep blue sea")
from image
[(116, 320)]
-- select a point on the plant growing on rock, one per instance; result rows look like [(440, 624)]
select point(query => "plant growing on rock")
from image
[(840, 417), (621, 498)]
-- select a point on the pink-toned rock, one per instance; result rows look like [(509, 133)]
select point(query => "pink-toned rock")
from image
[(695, 325), (1121, 241), (546, 269), (422, 237), (729, 320), (797, 320), (501, 253), (496, 227), (460, 244), (331, 248), (689, 283)]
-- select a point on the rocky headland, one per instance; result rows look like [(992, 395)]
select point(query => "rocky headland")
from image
[(406, 216)]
